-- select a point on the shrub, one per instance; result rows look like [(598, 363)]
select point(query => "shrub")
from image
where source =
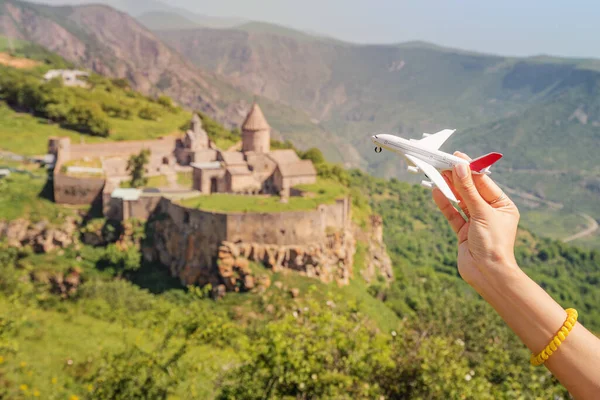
[(314, 155), (150, 113), (167, 103), (116, 110), (88, 118)]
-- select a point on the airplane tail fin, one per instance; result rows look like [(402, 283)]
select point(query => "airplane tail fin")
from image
[(483, 163)]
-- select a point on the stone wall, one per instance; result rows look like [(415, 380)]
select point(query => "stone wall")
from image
[(203, 247), (158, 147), (187, 241), (76, 190), (143, 207)]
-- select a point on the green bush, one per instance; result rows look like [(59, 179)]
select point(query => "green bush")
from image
[(88, 118), (116, 110), (150, 113)]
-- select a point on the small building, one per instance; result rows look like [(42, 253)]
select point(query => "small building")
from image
[(122, 201), (68, 77), (208, 177), (287, 176)]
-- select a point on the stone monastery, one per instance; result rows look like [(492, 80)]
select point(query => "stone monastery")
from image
[(203, 246), (253, 170)]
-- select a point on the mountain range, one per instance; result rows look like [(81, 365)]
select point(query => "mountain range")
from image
[(543, 113)]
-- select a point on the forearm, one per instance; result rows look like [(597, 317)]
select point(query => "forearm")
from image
[(535, 317)]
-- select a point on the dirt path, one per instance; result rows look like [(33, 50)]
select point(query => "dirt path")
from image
[(592, 224), (592, 227), (21, 63), (531, 198)]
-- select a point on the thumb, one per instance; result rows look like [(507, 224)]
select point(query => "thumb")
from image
[(463, 182)]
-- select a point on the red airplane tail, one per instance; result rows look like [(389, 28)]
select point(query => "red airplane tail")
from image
[(483, 162)]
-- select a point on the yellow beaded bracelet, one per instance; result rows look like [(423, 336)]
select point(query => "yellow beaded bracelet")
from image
[(557, 340)]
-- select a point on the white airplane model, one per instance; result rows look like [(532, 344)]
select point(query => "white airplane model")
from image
[(423, 156)]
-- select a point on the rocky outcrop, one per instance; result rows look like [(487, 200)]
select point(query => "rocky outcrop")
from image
[(198, 256), (41, 236), (63, 284), (377, 260), (331, 261)]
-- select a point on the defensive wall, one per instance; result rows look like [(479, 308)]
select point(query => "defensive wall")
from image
[(203, 247), (85, 190)]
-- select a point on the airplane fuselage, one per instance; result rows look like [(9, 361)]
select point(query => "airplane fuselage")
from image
[(438, 159)]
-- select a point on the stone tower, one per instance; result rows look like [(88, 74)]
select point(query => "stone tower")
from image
[(256, 132), (196, 138)]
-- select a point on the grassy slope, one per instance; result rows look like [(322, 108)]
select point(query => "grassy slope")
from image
[(325, 191), (427, 289), (24, 196)]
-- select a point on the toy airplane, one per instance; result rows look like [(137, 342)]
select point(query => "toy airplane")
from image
[(423, 156)]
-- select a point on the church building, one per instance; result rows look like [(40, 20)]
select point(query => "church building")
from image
[(253, 170)]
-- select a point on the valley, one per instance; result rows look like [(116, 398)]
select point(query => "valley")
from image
[(542, 113)]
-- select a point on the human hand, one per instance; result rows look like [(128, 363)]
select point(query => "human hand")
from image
[(487, 240)]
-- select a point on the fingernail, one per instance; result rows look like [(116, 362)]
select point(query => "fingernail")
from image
[(461, 170)]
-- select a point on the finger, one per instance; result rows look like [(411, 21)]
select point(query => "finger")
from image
[(463, 182), (484, 184), (454, 218), (447, 175)]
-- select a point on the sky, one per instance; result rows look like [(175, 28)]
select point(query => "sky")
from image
[(505, 27)]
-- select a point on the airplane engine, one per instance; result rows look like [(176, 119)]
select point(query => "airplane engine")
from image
[(413, 170), (427, 184)]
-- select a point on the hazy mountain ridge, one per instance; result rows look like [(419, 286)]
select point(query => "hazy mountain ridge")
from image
[(114, 44), (541, 112)]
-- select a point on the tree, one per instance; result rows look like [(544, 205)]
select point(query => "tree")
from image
[(136, 167), (314, 155)]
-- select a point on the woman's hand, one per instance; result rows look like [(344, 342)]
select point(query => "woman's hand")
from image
[(487, 240), (486, 261)]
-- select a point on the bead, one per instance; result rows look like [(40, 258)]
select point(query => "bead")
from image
[(557, 340), (568, 325)]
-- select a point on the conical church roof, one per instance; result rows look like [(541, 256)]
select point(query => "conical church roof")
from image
[(255, 121)]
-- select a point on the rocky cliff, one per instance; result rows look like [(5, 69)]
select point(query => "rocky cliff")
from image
[(41, 236), (195, 258)]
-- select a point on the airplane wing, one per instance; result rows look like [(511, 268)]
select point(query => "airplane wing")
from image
[(436, 140), (435, 177)]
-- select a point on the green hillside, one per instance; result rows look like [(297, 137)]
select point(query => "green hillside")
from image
[(102, 323), (32, 110), (128, 317)]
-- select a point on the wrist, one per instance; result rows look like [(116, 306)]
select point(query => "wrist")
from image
[(497, 277)]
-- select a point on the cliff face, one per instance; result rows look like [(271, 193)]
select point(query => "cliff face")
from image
[(41, 236), (198, 251)]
